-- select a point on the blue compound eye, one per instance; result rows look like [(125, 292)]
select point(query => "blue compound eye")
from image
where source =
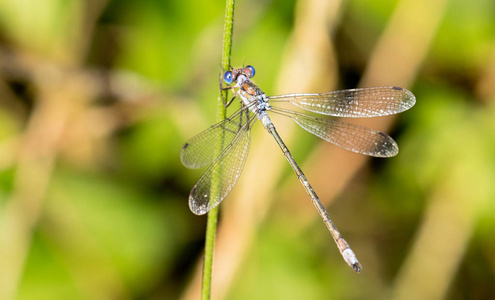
[(228, 77), (249, 70)]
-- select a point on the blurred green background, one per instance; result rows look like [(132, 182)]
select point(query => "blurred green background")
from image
[(98, 96)]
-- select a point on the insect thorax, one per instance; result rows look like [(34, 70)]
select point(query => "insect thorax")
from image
[(254, 97)]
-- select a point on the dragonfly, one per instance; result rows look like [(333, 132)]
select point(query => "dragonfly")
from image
[(224, 146)]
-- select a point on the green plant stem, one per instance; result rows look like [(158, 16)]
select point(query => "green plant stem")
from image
[(212, 221), (226, 53)]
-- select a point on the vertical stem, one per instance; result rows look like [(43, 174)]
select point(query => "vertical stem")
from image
[(226, 53), (211, 225)]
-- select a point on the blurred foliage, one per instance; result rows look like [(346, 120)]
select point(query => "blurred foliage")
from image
[(97, 98)]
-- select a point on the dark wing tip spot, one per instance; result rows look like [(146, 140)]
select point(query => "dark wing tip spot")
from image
[(185, 146), (382, 134), (397, 88)]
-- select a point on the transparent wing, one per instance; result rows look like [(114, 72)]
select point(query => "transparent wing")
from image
[(348, 136), (219, 179), (357, 103), (205, 147)]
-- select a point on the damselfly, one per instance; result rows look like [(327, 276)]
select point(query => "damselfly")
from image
[(224, 146)]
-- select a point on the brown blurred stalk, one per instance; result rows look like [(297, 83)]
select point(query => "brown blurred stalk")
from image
[(35, 163)]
